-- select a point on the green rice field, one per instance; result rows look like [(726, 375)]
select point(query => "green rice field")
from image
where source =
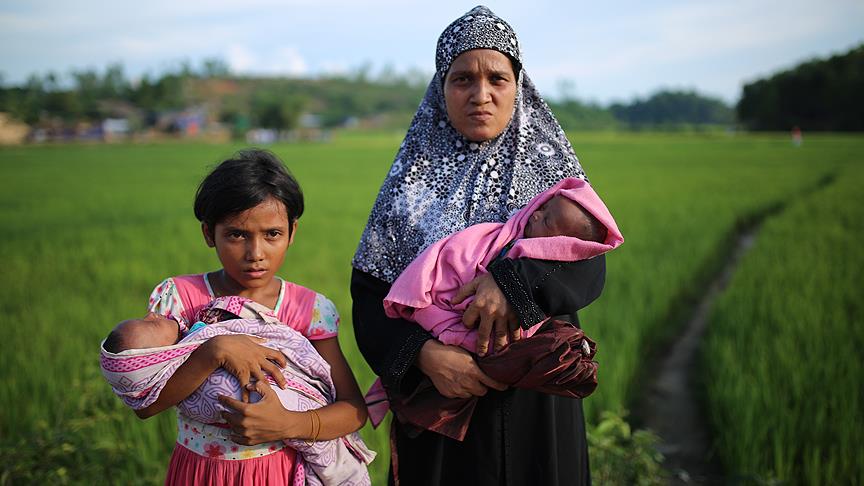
[(784, 363), (90, 229)]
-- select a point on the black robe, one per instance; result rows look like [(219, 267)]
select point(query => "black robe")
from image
[(516, 437)]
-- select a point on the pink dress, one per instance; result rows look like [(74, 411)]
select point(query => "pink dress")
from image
[(204, 454)]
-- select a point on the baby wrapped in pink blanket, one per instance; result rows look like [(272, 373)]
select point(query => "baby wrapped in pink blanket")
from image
[(567, 222), (425, 289), (138, 375)]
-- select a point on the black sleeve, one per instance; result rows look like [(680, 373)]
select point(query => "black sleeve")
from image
[(540, 288), (390, 346)]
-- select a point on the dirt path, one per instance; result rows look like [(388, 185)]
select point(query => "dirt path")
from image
[(670, 406)]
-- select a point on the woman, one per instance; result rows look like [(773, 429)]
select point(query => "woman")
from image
[(481, 145)]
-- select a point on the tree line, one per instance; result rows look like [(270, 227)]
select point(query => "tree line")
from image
[(821, 94), (816, 95), (238, 101)]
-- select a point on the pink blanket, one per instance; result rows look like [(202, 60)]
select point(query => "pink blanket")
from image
[(423, 292)]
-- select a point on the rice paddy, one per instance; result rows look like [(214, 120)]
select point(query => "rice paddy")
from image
[(783, 363), (91, 229)]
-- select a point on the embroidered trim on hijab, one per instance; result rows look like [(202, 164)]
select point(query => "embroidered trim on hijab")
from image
[(440, 182)]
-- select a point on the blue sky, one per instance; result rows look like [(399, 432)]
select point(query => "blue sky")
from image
[(606, 50)]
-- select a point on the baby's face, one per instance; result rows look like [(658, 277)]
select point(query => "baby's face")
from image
[(153, 331), (559, 216)]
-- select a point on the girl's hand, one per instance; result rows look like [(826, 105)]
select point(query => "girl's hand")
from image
[(244, 357), (491, 310), (263, 421), (453, 371), (267, 420)]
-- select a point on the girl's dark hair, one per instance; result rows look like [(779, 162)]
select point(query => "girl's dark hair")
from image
[(243, 182)]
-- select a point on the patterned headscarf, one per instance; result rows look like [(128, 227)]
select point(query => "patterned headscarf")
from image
[(440, 182)]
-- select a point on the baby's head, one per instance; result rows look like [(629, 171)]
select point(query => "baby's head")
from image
[(153, 331), (562, 216)]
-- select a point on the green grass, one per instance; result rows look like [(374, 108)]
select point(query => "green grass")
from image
[(91, 229), (784, 359), (677, 201)]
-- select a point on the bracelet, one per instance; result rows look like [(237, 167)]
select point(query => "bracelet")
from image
[(313, 433)]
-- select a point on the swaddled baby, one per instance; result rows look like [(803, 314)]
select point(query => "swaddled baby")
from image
[(140, 355)]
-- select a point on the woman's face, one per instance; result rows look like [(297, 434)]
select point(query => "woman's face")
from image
[(480, 91)]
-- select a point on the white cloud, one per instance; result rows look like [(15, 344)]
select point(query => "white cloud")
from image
[(240, 59), (282, 60)]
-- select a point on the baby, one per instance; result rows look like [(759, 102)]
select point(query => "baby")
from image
[(561, 216), (152, 331), (567, 222), (140, 355)]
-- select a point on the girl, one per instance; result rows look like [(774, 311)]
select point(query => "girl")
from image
[(248, 207)]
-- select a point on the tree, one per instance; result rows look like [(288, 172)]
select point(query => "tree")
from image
[(215, 68), (822, 94), (276, 110), (674, 108)]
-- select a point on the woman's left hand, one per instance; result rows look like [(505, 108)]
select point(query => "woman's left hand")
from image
[(263, 421), (490, 312)]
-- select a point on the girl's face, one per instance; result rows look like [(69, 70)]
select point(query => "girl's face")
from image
[(251, 244)]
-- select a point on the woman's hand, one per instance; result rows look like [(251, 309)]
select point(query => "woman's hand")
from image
[(263, 421), (491, 310), (244, 357), (453, 371)]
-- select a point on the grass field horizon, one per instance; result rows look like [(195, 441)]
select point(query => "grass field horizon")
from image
[(92, 228)]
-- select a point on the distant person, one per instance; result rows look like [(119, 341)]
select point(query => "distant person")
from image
[(139, 356), (797, 137), (482, 144), (248, 207)]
